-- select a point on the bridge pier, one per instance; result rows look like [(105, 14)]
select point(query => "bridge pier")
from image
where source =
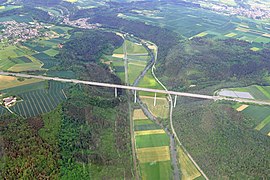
[(155, 99), (115, 92), (175, 100), (135, 96)]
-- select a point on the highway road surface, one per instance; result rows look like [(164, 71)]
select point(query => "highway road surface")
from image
[(118, 86)]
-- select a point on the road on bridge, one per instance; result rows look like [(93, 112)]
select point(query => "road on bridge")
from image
[(118, 86)]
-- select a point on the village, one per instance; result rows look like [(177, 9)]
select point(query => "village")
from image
[(15, 32)]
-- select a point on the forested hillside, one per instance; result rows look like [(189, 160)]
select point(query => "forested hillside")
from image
[(88, 46), (204, 62), (221, 140)]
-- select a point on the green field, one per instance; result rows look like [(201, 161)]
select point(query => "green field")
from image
[(134, 70), (37, 98), (148, 81), (156, 170), (153, 140), (8, 55), (33, 55)]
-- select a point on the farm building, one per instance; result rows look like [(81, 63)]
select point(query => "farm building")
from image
[(9, 101)]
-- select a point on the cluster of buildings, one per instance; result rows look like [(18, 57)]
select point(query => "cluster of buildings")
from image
[(14, 32), (252, 12), (80, 23)]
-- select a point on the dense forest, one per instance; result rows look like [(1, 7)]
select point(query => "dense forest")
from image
[(88, 46), (87, 136), (221, 140)]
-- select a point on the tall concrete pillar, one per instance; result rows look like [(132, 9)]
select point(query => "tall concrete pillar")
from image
[(115, 92), (155, 99), (135, 96), (175, 100)]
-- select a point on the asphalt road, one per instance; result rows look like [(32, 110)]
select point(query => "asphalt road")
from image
[(118, 86)]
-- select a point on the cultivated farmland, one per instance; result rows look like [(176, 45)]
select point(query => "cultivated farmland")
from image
[(190, 22), (137, 60), (37, 98), (260, 116), (152, 149)]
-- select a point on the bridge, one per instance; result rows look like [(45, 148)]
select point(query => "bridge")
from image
[(135, 89)]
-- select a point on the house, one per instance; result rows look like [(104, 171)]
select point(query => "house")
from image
[(9, 101)]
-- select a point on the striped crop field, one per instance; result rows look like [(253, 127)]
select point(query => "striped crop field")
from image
[(2, 110), (40, 100)]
